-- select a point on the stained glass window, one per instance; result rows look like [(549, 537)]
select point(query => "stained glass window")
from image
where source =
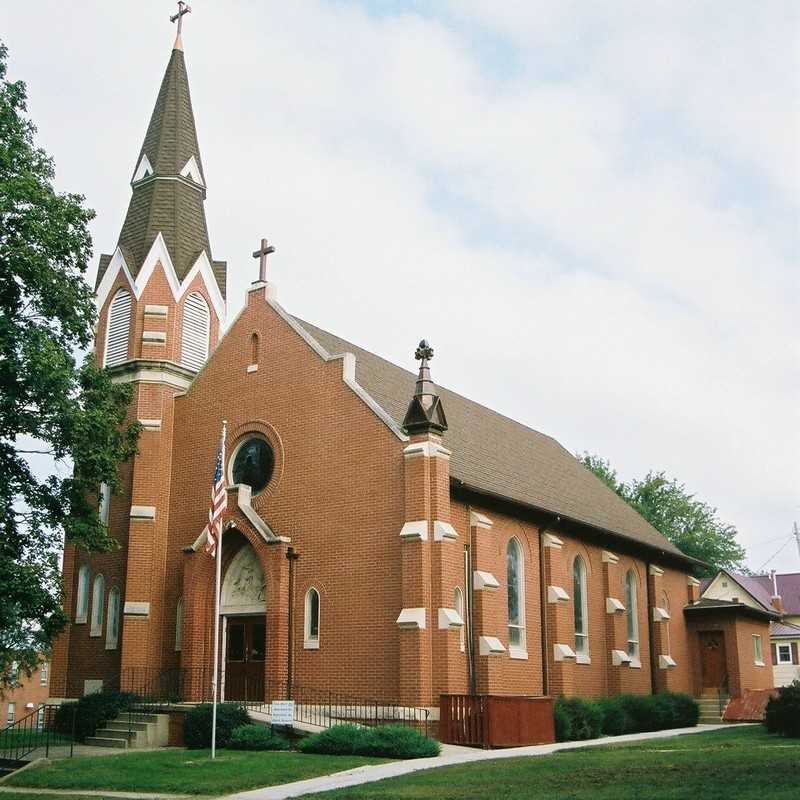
[(253, 464)]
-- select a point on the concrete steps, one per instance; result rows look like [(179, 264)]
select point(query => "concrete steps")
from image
[(134, 732), (710, 704)]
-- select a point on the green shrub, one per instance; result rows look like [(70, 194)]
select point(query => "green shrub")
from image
[(783, 711), (391, 741), (563, 725), (92, 712), (197, 727), (585, 718), (257, 737), (642, 711), (616, 719), (675, 710), (340, 740), (397, 741)]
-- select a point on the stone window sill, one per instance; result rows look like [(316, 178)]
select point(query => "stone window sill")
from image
[(95, 632), (583, 658), (311, 644), (759, 663), (80, 620), (635, 663), (517, 653)]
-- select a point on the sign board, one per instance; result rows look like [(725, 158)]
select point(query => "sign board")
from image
[(283, 712)]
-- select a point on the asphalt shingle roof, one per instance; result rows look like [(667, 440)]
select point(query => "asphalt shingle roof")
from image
[(496, 455)]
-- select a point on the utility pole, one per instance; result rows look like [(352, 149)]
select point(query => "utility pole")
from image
[(797, 537)]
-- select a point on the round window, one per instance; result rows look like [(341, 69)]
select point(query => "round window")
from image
[(253, 464)]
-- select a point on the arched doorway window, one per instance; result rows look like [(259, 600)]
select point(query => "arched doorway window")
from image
[(311, 621)]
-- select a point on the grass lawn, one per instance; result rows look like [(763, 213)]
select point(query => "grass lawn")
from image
[(719, 765), (182, 771), (29, 796)]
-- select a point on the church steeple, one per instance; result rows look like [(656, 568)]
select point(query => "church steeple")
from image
[(168, 183), (425, 412)]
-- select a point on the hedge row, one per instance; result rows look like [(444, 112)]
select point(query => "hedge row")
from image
[(392, 741), (577, 719)]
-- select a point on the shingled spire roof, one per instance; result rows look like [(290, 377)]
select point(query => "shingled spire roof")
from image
[(425, 412), (169, 184)]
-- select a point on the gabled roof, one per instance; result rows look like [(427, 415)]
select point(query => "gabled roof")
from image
[(708, 604), (166, 201), (495, 455), (784, 630)]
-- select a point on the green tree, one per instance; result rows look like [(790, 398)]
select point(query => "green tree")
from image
[(50, 405), (690, 524)]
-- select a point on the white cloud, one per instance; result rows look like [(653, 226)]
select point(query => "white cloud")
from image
[(589, 208)]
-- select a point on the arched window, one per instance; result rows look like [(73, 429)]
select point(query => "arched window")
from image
[(515, 580), (458, 605), (196, 331), (311, 632), (105, 503), (632, 613), (98, 601), (82, 600), (112, 619), (665, 623), (580, 607), (254, 346), (118, 329), (179, 625)]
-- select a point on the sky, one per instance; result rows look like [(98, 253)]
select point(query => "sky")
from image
[(589, 208)]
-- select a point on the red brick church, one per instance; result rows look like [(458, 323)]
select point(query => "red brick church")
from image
[(384, 537)]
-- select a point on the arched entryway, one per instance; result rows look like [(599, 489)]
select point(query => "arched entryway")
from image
[(244, 628)]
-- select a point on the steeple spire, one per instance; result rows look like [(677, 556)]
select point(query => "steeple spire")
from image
[(169, 187), (425, 411)]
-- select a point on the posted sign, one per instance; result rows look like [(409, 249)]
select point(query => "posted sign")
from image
[(283, 712)]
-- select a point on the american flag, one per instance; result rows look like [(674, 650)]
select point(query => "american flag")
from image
[(219, 501)]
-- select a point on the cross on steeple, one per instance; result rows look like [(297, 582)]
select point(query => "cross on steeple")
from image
[(261, 254), (183, 8)]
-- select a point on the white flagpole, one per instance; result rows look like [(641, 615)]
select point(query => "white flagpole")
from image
[(218, 571)]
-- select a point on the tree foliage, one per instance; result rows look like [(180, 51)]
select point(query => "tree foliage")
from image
[(50, 405), (690, 524)]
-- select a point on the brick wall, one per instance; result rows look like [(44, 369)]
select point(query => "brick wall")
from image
[(32, 691)]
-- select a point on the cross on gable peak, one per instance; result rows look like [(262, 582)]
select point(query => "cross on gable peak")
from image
[(261, 254)]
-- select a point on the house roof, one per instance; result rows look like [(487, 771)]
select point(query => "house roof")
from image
[(784, 630), (788, 589), (707, 604), (166, 202), (495, 455)]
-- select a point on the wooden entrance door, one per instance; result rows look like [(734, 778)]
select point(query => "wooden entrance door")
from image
[(712, 659), (245, 653)]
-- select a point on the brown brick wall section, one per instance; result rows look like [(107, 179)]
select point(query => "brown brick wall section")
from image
[(31, 692)]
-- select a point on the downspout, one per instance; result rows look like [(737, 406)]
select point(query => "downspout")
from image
[(650, 630), (469, 603), (292, 555), (543, 616)]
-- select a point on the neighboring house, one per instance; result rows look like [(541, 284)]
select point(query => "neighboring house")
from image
[(778, 594), (28, 693)]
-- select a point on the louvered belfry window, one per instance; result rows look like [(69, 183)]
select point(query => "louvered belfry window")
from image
[(196, 329), (119, 328)]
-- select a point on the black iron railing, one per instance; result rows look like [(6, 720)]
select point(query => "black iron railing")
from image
[(38, 732), (161, 689)]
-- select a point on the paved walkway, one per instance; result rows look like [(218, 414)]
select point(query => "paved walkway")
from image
[(451, 757), (94, 793)]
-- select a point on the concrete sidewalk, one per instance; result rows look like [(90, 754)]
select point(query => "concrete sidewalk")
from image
[(451, 757)]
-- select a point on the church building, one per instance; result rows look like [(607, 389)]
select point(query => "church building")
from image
[(383, 537)]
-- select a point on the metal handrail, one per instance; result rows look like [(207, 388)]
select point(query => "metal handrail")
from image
[(35, 731)]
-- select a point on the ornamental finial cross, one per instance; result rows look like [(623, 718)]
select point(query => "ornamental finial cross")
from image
[(183, 8), (424, 351), (261, 254)]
